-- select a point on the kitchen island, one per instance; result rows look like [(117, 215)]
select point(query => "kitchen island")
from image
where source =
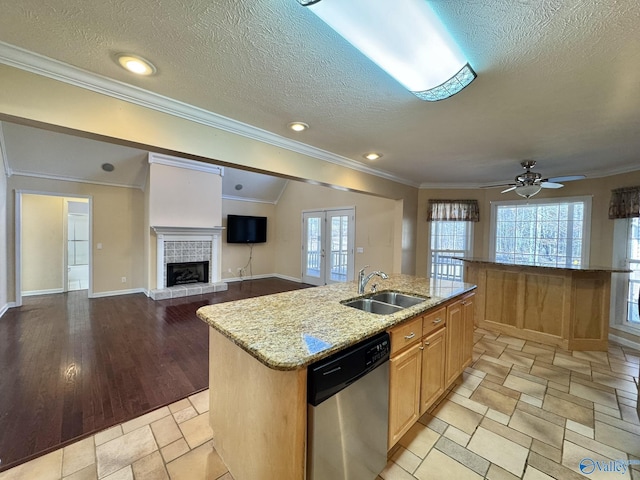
[(562, 306), (259, 351)]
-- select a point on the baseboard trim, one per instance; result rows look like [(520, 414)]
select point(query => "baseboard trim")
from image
[(624, 342), (286, 277), (115, 293), (32, 293), (4, 309)]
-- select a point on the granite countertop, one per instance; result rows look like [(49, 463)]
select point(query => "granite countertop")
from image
[(290, 330), (571, 267)]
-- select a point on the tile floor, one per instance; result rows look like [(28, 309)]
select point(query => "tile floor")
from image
[(523, 410)]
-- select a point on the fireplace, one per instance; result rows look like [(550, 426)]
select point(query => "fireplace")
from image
[(187, 272)]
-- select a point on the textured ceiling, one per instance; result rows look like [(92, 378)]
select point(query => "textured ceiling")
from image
[(557, 79)]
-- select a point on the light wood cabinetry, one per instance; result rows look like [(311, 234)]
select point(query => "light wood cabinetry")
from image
[(433, 369), (566, 307), (404, 388), (427, 354)]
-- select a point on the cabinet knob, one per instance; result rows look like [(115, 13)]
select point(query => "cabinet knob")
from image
[(464, 303), (421, 348), (437, 321), (410, 336), (426, 343)]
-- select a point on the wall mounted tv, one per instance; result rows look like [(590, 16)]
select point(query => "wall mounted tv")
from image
[(246, 229)]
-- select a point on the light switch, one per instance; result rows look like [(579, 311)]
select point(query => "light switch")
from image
[(359, 249), (99, 246)]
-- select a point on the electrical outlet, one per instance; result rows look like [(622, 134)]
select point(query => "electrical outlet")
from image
[(124, 279)]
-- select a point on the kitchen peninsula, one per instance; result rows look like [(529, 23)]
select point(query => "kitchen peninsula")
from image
[(563, 306), (260, 348)]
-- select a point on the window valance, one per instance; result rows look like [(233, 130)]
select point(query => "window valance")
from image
[(453, 210), (625, 203)]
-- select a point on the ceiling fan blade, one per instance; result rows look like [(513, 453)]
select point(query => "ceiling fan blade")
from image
[(498, 185), (567, 178), (551, 185), (509, 189)]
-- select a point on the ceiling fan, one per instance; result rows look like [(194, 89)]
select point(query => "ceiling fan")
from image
[(529, 183)]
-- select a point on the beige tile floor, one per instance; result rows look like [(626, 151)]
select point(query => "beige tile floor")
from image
[(523, 410)]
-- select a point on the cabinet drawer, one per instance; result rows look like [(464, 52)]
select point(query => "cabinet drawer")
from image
[(405, 334), (434, 320)]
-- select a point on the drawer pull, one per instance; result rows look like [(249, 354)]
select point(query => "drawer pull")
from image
[(426, 343), (437, 321), (410, 336), (421, 348)]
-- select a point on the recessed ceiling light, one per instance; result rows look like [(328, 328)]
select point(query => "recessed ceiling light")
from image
[(108, 167), (136, 64), (298, 126), (372, 156), (239, 186)]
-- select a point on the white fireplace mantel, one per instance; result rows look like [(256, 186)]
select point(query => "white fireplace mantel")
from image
[(187, 234)]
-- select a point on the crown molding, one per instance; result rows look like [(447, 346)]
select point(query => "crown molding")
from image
[(73, 179), (184, 163), (39, 64), (248, 199)]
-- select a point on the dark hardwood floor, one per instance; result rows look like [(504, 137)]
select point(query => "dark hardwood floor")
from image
[(73, 366)]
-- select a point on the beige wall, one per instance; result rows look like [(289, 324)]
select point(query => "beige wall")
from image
[(235, 256), (601, 248), (118, 219), (42, 243), (3, 237), (32, 99), (182, 197), (375, 221)]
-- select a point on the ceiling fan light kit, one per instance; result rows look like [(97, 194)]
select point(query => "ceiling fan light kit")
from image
[(405, 38), (529, 183)]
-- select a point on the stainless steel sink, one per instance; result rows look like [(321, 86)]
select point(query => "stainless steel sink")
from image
[(384, 303), (373, 306), (395, 298)]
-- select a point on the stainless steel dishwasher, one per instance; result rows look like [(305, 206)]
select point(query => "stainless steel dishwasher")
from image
[(348, 411)]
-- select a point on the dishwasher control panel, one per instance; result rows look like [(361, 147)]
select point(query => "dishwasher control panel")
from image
[(328, 376)]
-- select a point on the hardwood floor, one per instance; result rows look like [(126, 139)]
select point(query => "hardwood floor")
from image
[(72, 366)]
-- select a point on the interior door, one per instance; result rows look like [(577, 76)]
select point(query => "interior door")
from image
[(328, 246)]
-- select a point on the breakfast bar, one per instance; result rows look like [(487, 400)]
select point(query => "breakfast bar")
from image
[(562, 306), (260, 349)]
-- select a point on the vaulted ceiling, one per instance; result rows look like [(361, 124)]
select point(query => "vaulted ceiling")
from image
[(557, 79)]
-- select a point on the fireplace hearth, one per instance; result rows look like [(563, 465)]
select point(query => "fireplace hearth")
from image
[(185, 273)]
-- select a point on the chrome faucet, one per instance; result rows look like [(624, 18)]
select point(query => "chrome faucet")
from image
[(362, 279)]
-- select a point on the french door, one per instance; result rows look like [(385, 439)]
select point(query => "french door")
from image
[(327, 246)]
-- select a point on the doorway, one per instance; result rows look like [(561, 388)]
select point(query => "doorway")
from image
[(53, 253), (77, 252), (328, 246)]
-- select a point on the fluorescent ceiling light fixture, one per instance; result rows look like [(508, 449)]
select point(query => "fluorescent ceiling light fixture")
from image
[(136, 64), (528, 191), (405, 38), (298, 126), (372, 156)]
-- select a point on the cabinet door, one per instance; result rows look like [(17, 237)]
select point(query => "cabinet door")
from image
[(468, 326), (404, 391), (433, 369), (455, 342)]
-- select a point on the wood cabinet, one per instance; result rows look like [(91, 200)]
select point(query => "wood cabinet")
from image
[(459, 336), (428, 353), (433, 369), (404, 391)]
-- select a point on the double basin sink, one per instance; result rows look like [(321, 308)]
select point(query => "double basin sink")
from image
[(384, 303)]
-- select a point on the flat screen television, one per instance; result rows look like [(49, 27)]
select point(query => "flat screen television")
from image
[(246, 229)]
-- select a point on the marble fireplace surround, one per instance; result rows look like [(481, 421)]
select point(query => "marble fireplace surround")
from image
[(187, 244)]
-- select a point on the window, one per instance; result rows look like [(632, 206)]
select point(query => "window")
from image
[(633, 259), (449, 239), (543, 232)]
